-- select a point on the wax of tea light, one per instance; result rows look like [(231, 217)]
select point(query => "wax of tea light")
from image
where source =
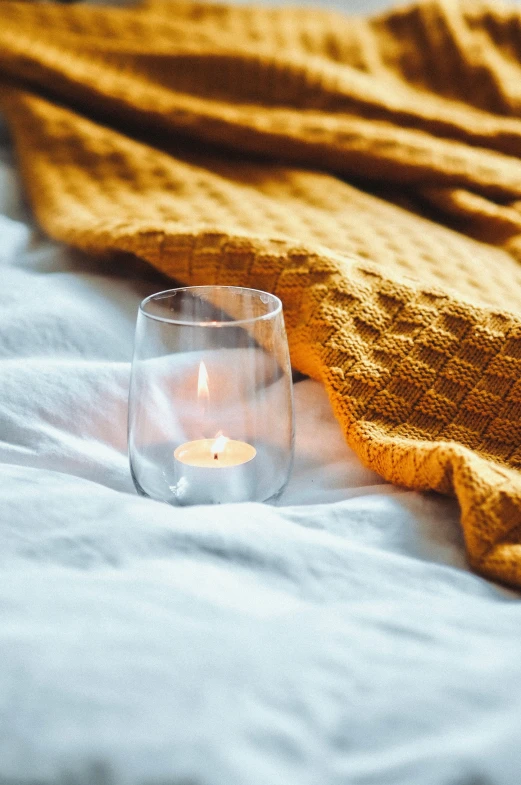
[(216, 453)]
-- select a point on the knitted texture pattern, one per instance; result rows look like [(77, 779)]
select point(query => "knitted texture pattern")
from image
[(231, 145)]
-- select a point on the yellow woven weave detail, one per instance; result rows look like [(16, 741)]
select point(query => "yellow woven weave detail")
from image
[(216, 142)]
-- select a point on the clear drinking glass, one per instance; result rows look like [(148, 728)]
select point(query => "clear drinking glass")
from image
[(211, 399)]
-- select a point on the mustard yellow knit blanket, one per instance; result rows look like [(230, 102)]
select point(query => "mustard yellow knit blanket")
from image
[(365, 170)]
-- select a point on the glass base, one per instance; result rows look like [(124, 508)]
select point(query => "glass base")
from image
[(173, 502)]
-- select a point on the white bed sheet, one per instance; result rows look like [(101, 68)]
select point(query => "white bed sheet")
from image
[(337, 638)]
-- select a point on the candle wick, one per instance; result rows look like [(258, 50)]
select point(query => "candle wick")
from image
[(215, 456)]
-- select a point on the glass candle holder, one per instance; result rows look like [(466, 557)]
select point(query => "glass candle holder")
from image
[(211, 401)]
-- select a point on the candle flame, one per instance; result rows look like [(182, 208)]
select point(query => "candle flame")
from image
[(203, 391), (219, 445)]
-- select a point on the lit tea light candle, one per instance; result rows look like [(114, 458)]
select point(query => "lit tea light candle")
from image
[(213, 471)]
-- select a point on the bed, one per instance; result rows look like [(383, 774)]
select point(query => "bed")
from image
[(336, 637)]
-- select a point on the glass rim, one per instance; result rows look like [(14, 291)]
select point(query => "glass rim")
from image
[(194, 323)]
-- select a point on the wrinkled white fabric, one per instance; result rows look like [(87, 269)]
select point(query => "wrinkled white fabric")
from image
[(336, 639)]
